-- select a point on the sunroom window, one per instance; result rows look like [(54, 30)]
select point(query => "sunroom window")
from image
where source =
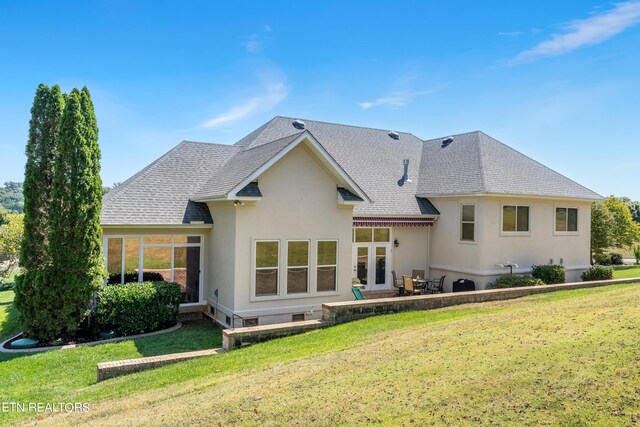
[(168, 258)]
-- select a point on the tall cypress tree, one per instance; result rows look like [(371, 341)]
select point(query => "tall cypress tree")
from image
[(44, 128), (75, 248)]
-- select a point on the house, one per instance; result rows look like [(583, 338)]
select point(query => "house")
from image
[(268, 229)]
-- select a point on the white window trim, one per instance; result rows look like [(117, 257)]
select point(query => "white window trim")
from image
[(335, 284), (474, 222), (298, 266), (142, 245), (566, 233), (254, 296), (514, 233)]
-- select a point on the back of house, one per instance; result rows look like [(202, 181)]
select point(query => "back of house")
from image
[(266, 230)]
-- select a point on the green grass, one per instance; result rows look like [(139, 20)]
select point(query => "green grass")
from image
[(6, 297), (626, 271), (563, 358), (50, 376)]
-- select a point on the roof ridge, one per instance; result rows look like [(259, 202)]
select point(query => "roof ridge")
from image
[(483, 176), (263, 126), (539, 163), (206, 143), (275, 140), (453, 135), (346, 125), (140, 174)]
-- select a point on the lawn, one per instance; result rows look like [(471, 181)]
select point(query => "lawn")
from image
[(563, 358), (626, 271), (50, 376)]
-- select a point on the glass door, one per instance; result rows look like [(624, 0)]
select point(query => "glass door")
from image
[(361, 264), (371, 265)]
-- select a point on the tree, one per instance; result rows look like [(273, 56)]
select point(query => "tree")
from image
[(634, 207), (77, 267), (44, 127), (612, 225), (11, 197), (10, 240), (4, 216)]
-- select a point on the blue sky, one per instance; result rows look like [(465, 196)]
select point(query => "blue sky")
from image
[(558, 81)]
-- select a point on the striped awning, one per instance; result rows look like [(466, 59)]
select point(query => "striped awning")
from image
[(372, 221)]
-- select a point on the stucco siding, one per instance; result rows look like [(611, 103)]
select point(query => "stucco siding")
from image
[(299, 202), (412, 251), (222, 257)]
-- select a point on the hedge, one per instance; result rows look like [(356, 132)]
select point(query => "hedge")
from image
[(509, 281), (550, 274), (137, 308), (132, 277), (597, 272)]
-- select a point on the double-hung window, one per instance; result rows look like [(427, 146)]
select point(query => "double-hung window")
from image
[(567, 220), (327, 265), (468, 222), (267, 259), (515, 219), (297, 266)]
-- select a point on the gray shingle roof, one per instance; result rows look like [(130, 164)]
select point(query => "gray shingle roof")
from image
[(245, 161), (161, 192), (477, 163), (473, 163)]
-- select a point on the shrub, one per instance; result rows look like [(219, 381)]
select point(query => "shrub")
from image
[(548, 273), (138, 307), (132, 276), (509, 281), (602, 259), (616, 259), (597, 272), (636, 253)]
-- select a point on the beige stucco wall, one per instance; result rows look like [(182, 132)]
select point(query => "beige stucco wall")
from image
[(477, 261), (300, 202), (221, 259), (412, 251)]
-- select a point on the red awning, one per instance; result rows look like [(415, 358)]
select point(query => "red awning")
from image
[(372, 221)]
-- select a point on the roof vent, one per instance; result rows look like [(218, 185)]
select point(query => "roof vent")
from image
[(394, 135), (298, 124), (446, 142)]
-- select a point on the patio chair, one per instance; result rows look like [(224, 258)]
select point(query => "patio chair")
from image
[(357, 294), (436, 287), (417, 273), (408, 286), (397, 284)]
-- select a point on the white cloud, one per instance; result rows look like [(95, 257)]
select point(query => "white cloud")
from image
[(398, 98), (510, 33), (253, 44), (274, 93), (584, 32)]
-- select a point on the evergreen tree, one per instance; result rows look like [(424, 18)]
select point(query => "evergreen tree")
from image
[(77, 268), (44, 127)]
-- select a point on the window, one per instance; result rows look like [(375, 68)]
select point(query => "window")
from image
[(297, 267), (297, 317), (567, 220), (144, 258), (515, 219), (267, 267), (468, 223), (327, 265), (368, 235), (247, 323)]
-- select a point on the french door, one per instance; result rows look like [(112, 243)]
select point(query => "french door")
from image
[(371, 265)]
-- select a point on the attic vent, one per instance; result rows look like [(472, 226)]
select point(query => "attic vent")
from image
[(298, 124), (446, 142), (394, 135)]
